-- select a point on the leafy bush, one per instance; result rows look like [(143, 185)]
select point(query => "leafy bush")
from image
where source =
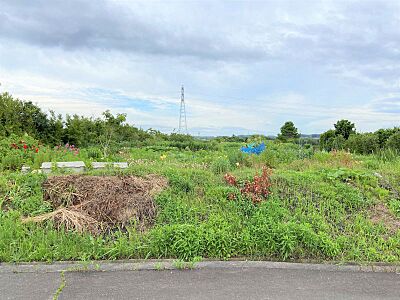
[(350, 176), (363, 143), (393, 142), (257, 190)]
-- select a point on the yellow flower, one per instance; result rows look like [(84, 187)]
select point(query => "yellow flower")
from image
[(162, 157)]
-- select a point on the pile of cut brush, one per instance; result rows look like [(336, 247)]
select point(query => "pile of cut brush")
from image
[(98, 204)]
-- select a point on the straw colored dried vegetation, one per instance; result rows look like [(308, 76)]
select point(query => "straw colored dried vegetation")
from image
[(100, 203)]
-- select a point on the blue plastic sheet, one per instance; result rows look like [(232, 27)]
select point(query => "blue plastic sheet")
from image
[(253, 149)]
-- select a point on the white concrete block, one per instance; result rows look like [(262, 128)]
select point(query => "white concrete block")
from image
[(73, 166), (25, 169), (70, 164), (101, 165), (122, 165)]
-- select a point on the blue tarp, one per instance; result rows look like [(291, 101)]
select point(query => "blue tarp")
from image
[(253, 149)]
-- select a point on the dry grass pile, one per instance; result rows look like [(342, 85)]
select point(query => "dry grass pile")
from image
[(100, 203)]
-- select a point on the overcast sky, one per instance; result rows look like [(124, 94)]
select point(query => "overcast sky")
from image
[(247, 66)]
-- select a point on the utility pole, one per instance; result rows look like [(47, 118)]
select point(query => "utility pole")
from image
[(182, 114)]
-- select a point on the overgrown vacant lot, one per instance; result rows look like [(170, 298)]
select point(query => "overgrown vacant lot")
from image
[(308, 205)]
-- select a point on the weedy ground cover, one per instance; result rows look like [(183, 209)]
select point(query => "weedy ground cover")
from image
[(219, 203)]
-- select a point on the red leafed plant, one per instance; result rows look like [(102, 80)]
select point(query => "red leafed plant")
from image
[(230, 179), (257, 190)]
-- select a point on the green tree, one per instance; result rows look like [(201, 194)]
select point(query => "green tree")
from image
[(385, 134), (393, 141), (81, 131), (326, 140), (34, 121), (344, 128), (330, 141), (19, 117), (10, 115), (110, 131), (288, 131), (56, 129)]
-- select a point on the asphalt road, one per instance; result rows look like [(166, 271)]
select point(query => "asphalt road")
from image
[(208, 283)]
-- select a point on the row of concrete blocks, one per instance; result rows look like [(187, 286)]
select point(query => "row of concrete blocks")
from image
[(77, 166)]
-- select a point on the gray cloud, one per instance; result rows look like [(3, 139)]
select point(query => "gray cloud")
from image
[(84, 25), (361, 31)]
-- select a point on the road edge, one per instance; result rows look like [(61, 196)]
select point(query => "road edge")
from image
[(169, 264)]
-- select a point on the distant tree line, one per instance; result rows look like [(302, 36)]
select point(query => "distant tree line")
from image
[(233, 138), (344, 136), (23, 117)]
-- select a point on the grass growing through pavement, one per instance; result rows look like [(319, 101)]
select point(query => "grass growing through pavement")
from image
[(323, 206), (61, 287)]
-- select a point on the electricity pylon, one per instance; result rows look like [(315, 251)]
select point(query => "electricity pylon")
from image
[(182, 114)]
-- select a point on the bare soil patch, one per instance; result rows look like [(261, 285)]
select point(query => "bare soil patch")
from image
[(381, 214), (100, 203)]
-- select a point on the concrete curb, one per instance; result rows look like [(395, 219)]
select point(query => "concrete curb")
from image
[(141, 265)]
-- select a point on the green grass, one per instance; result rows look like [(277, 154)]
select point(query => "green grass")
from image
[(319, 209), (61, 287)]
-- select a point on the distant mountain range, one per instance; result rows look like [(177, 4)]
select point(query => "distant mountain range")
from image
[(272, 137), (312, 136)]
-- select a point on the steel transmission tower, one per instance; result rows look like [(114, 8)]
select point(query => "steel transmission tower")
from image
[(182, 114)]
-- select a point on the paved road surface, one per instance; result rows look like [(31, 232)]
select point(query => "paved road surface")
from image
[(208, 283)]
